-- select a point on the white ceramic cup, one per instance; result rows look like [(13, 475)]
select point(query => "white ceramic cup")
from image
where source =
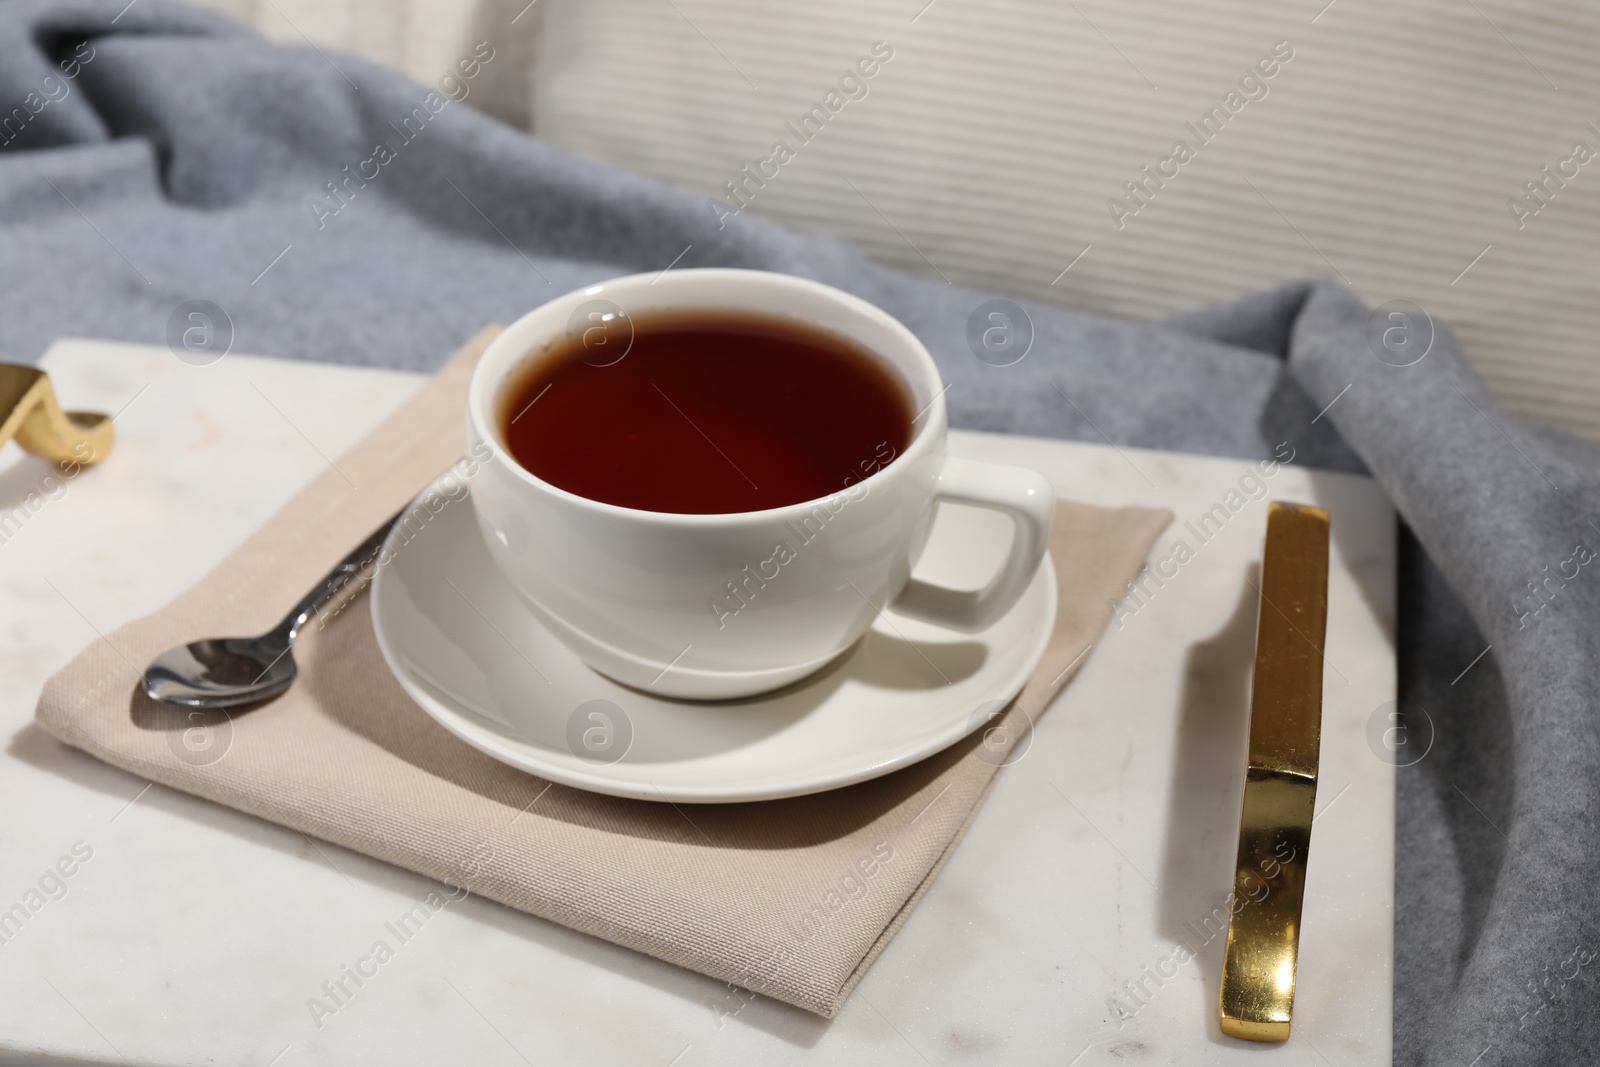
[(721, 606)]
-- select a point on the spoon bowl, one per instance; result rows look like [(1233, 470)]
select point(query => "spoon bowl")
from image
[(225, 672), (221, 672)]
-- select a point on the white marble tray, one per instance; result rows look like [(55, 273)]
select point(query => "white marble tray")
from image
[(195, 934)]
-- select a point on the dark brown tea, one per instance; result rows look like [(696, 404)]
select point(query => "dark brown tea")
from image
[(707, 412)]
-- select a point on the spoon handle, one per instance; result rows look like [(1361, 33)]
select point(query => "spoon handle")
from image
[(347, 578)]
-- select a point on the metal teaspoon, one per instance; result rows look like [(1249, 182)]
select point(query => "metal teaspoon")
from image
[(224, 672)]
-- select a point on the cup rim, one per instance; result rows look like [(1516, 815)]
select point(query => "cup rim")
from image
[(485, 378)]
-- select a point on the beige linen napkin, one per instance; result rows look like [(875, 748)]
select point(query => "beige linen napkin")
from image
[(791, 898)]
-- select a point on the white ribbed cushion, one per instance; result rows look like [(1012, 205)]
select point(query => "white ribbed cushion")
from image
[(423, 38), (994, 137)]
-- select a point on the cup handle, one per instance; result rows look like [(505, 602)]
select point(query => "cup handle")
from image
[(1023, 494)]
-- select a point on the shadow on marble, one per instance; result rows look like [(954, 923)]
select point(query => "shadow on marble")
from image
[(11, 1057), (30, 475), (1376, 579), (1207, 789), (794, 1026)]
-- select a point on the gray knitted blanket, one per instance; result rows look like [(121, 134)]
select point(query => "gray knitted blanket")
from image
[(152, 156)]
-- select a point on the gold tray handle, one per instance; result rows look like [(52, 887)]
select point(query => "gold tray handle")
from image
[(29, 412), (1280, 785)]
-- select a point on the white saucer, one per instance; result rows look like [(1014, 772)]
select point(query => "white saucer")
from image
[(465, 648)]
